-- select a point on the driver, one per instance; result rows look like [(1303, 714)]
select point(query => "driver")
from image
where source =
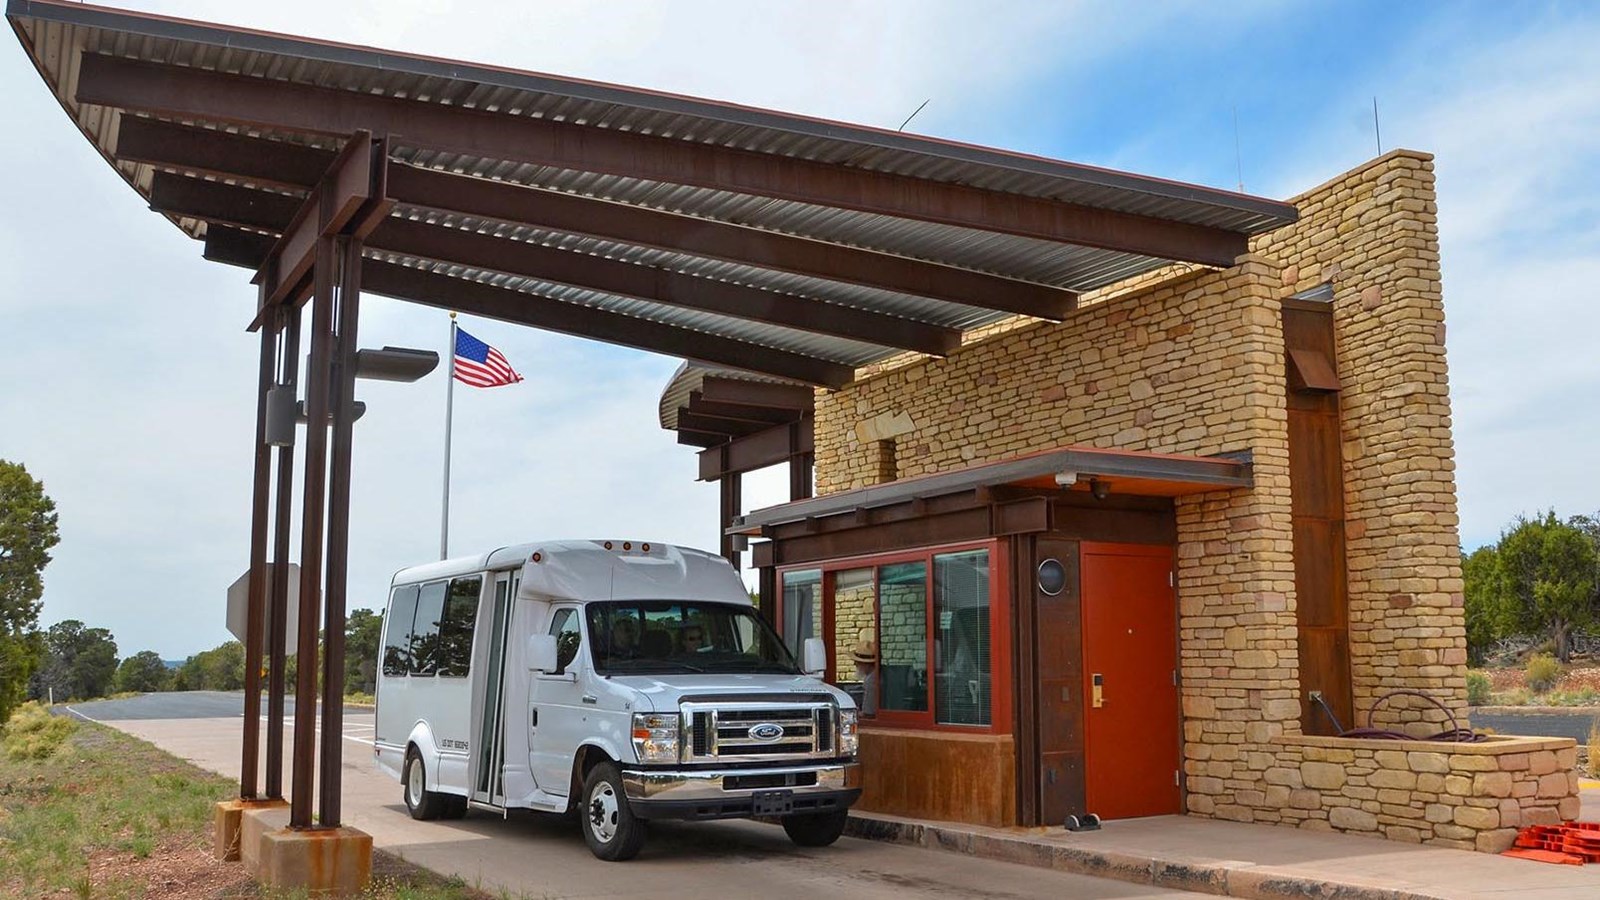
[(692, 639), (624, 637)]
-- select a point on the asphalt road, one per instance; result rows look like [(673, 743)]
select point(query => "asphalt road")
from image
[(1573, 726), (538, 855), (178, 705)]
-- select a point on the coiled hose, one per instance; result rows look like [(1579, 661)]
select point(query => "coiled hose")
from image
[(1456, 734)]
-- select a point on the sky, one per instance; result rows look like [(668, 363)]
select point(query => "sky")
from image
[(127, 376)]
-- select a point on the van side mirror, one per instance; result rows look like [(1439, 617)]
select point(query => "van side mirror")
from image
[(542, 654), (814, 656)]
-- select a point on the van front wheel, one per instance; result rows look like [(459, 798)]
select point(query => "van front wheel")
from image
[(610, 828), (420, 802), (815, 829)]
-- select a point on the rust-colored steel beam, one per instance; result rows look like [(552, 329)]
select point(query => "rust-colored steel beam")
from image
[(313, 507), (281, 164), (347, 187), (238, 206), (220, 154), (445, 292), (714, 425), (454, 245), (329, 804), (278, 614), (711, 239), (755, 451), (700, 439), (731, 496), (738, 412), (256, 597), (756, 393), (193, 93), (245, 249), (224, 204)]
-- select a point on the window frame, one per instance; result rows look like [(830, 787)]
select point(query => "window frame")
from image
[(1001, 694)]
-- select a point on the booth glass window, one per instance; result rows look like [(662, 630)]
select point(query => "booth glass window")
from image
[(962, 676), (802, 608), (903, 637), (938, 639)]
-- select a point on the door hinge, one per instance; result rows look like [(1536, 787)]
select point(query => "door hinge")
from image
[(1175, 778), (1172, 579), (1174, 677)]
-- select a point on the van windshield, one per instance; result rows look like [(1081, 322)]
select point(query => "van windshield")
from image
[(683, 636)]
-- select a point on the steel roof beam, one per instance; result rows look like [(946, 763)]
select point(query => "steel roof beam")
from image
[(193, 93), (714, 425), (221, 154), (756, 393), (700, 439), (240, 206), (757, 451), (477, 298), (711, 239), (740, 413), (281, 164), (660, 286)]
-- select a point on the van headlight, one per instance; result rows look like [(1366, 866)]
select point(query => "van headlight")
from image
[(655, 737), (849, 739)]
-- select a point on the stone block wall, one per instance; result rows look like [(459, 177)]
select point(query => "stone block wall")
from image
[(1468, 796), (1373, 234)]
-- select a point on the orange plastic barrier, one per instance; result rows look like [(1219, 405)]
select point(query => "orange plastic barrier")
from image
[(1570, 843)]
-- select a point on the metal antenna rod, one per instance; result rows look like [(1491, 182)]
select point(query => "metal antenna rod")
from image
[(1377, 133), (913, 115)]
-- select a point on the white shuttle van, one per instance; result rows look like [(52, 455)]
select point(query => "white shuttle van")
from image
[(619, 680)]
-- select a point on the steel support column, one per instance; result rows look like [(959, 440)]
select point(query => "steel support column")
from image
[(278, 616), (344, 387), (256, 602), (732, 505), (311, 532)]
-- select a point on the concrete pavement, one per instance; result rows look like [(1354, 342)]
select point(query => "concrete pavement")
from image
[(544, 856)]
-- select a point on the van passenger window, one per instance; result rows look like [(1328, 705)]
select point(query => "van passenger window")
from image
[(397, 631), (455, 629), (564, 625), (425, 630)]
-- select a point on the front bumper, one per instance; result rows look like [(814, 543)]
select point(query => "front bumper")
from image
[(731, 793)]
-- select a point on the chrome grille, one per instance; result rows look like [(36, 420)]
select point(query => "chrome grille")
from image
[(732, 731)]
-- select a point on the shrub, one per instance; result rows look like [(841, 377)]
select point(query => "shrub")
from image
[(1542, 673), (33, 733), (1477, 689), (1594, 749)]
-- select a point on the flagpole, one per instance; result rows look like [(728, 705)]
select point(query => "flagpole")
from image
[(449, 403)]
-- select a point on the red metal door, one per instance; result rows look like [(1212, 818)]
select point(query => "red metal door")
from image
[(1130, 661)]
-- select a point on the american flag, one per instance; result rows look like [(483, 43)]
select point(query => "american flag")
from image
[(481, 365)]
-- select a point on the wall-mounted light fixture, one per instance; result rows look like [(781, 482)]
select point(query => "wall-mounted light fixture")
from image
[(1099, 489), (1066, 479)]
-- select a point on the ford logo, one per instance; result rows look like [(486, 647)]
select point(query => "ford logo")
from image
[(766, 732)]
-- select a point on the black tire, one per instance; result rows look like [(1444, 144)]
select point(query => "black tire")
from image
[(455, 806), (610, 828), (420, 802), (815, 829)]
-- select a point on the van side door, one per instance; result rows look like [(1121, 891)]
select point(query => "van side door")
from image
[(557, 713)]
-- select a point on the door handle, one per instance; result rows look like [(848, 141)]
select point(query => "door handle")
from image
[(1097, 693), (590, 700)]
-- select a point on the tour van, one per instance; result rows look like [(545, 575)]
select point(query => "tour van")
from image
[(618, 680)]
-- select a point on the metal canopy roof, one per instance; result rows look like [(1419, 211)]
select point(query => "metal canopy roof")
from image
[(741, 237)]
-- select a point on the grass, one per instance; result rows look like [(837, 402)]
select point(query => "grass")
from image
[(107, 815), (1578, 685), (32, 733)]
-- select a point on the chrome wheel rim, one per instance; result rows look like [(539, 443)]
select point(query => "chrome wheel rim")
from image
[(603, 812), (414, 783)]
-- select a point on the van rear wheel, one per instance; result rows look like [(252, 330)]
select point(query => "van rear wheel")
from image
[(815, 829), (421, 802), (610, 828)]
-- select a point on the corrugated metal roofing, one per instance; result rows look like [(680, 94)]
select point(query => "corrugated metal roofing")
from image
[(57, 34), (688, 379)]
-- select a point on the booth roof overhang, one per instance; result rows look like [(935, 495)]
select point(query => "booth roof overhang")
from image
[(743, 238), (1072, 468)]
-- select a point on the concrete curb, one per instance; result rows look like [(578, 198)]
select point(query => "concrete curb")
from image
[(1227, 879), (1535, 710)]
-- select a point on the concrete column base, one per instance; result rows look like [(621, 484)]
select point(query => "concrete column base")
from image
[(258, 819), (322, 861), (227, 821)]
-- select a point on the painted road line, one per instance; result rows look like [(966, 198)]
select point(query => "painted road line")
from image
[(83, 717)]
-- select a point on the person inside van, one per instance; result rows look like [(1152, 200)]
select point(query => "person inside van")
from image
[(692, 639), (624, 637)]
